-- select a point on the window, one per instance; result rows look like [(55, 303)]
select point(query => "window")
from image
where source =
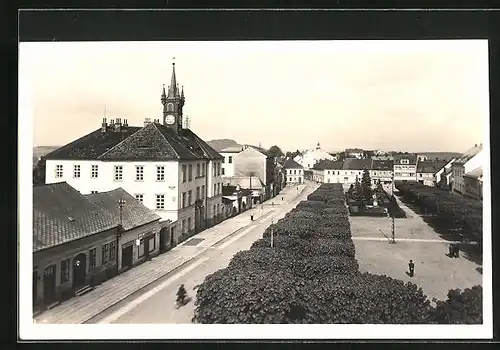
[(160, 173), (139, 197), (91, 259), (223, 160), (290, 179), (405, 161), (223, 171), (183, 199), (295, 172), (65, 271), (203, 169), (92, 192), (215, 190), (189, 224), (218, 209), (94, 171), (197, 193), (118, 173), (230, 160), (184, 173), (218, 169), (140, 250), (420, 175), (190, 197), (190, 172), (76, 171), (152, 242), (328, 172), (218, 188), (160, 201), (170, 107), (105, 253), (139, 173), (183, 226), (214, 210), (202, 191), (198, 170), (59, 170), (112, 251)]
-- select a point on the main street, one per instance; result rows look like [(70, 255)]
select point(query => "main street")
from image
[(156, 303)]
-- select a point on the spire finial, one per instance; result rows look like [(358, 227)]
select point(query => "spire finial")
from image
[(173, 61)]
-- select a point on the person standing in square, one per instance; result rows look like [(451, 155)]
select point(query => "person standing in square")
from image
[(411, 267)]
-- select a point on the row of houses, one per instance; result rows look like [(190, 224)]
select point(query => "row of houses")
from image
[(462, 175)]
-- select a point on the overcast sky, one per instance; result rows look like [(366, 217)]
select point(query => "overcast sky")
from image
[(401, 95)]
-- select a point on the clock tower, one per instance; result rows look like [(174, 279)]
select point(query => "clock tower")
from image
[(172, 102)]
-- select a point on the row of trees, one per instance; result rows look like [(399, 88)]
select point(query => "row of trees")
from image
[(310, 275)]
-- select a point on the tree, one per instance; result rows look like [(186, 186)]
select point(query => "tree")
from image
[(461, 307), (366, 185), (275, 151), (39, 173)]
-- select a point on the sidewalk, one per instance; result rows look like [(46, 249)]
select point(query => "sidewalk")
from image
[(80, 309)]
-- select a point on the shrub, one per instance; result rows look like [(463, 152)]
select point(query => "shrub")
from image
[(460, 307)]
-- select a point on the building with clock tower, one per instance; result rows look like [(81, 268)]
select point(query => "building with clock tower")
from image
[(173, 101)]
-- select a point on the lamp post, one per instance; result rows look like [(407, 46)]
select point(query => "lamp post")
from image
[(272, 232), (121, 203)]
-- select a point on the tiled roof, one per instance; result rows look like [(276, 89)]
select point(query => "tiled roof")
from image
[(475, 174), (356, 164), (134, 213), (291, 164), (92, 145), (61, 214), (326, 164), (412, 158), (430, 166), (382, 164), (152, 142), (469, 154)]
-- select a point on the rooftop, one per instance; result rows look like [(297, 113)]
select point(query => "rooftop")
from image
[(291, 164)]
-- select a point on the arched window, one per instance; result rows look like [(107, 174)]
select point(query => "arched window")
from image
[(170, 107)]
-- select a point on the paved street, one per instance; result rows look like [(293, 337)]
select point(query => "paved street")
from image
[(187, 263), (156, 304)]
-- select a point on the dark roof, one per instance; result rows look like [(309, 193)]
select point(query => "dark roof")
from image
[(356, 164), (353, 150), (152, 142), (291, 164), (412, 158), (471, 152), (382, 164), (92, 145), (430, 166), (325, 164), (61, 214), (134, 213), (228, 190)]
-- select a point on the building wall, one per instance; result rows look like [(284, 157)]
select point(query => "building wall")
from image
[(473, 187), (427, 179), (251, 162), (405, 172), (311, 157), (56, 255), (226, 165), (145, 232), (457, 173), (294, 176)]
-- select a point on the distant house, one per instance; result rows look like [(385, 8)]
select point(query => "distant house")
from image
[(381, 170), (309, 158), (236, 199), (327, 171), (77, 239), (354, 153), (473, 182), (471, 160), (405, 167), (345, 172), (427, 170), (294, 172), (228, 161), (443, 175)]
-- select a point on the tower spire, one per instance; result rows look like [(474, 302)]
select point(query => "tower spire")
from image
[(172, 90), (163, 95)]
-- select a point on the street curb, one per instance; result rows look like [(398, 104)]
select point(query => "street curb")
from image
[(143, 287), (185, 262)]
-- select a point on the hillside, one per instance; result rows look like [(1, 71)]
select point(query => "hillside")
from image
[(220, 144), (41, 151)]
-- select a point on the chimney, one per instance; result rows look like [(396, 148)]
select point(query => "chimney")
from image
[(125, 125), (104, 125), (118, 124), (147, 121), (112, 124)]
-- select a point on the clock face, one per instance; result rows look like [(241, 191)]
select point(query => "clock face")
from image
[(170, 119)]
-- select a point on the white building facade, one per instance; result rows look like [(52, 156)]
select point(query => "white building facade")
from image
[(310, 157)]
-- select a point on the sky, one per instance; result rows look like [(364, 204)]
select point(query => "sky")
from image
[(390, 95)]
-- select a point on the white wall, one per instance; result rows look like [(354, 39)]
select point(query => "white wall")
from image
[(311, 157), (406, 172), (475, 162), (228, 167)]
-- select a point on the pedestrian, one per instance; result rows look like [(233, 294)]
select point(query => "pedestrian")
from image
[(281, 198), (411, 267)]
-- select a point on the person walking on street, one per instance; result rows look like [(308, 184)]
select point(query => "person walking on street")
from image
[(411, 267)]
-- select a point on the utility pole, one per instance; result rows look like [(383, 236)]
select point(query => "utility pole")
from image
[(272, 232), (393, 206), (121, 203)]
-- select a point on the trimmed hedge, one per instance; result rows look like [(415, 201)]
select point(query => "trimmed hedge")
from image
[(311, 275), (460, 307)]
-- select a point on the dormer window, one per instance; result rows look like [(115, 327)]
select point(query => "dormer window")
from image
[(405, 161)]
